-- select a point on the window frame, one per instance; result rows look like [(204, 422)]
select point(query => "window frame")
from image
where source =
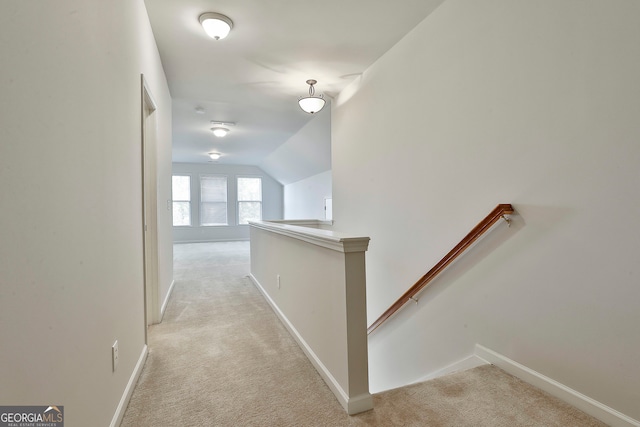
[(203, 203), (174, 200), (238, 201)]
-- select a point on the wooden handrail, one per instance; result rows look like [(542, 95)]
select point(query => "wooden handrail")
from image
[(477, 231)]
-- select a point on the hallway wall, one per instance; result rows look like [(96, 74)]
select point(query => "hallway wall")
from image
[(71, 267), (306, 199), (502, 101)]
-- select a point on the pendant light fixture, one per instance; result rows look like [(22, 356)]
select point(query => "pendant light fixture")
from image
[(216, 25), (311, 104)]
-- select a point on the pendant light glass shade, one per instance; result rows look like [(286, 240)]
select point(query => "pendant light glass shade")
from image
[(216, 26), (311, 104)]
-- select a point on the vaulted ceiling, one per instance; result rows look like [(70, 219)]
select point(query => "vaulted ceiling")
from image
[(255, 75)]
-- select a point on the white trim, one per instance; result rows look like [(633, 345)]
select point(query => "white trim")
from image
[(359, 404), (128, 391), (166, 300), (353, 405), (313, 223), (469, 362), (586, 404), (238, 201), (334, 240), (149, 128), (177, 200), (179, 242)]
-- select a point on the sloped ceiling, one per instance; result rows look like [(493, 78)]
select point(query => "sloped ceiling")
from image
[(255, 75), (305, 154)]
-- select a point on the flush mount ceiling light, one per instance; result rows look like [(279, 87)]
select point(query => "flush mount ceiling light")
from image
[(216, 26), (220, 129), (311, 104), (214, 156)]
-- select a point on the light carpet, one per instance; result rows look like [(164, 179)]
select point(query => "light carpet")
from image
[(222, 358)]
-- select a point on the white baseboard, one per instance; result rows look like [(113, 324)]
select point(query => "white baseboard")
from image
[(470, 362), (353, 405), (128, 391), (179, 242), (584, 403), (166, 300)]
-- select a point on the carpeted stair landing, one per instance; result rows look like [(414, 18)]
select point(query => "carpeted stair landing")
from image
[(222, 358)]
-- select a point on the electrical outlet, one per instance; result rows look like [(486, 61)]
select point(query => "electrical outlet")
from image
[(114, 355), (278, 280)]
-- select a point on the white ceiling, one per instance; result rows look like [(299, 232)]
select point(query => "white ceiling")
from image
[(255, 75)]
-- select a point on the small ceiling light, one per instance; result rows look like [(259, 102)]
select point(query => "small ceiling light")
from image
[(220, 131), (199, 110), (216, 26), (311, 104), (214, 156)]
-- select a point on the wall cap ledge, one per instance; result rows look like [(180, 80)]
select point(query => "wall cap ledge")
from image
[(337, 241)]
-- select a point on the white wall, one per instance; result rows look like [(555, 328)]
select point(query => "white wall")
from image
[(71, 271), (272, 202), (502, 101), (305, 199)]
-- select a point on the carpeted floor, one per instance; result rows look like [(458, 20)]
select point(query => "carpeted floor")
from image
[(222, 358)]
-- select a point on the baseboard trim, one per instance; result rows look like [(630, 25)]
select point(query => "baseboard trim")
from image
[(469, 362), (179, 242), (359, 404), (128, 391), (166, 300), (353, 405), (586, 404)]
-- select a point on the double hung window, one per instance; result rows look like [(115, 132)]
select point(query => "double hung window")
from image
[(249, 200), (213, 200), (181, 197)]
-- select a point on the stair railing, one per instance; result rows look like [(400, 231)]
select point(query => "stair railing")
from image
[(499, 212)]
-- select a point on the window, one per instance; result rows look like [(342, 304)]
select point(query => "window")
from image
[(213, 200), (249, 199), (181, 196), (328, 209)]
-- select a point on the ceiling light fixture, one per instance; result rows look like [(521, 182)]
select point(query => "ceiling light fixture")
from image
[(311, 104), (216, 26), (214, 156), (220, 129)]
